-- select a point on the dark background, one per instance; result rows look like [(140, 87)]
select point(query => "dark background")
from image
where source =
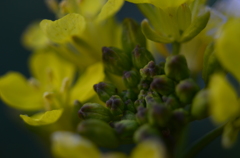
[(15, 139)]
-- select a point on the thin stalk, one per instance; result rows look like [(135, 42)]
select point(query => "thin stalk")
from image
[(202, 143), (176, 48)]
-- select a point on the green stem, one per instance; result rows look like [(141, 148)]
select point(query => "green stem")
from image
[(176, 48), (202, 142)]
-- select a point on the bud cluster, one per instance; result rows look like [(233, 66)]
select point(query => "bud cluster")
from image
[(157, 103)]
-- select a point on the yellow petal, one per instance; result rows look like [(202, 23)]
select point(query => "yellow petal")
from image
[(71, 145), (109, 9), (162, 3), (228, 48), (33, 37), (83, 88), (90, 8), (149, 149), (64, 28), (223, 100), (18, 93), (50, 69), (44, 118)]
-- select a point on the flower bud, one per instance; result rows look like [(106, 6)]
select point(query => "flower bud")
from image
[(152, 98), (95, 111), (115, 61), (142, 94), (171, 101), (116, 105), (144, 132), (199, 109), (144, 84), (162, 84), (179, 118), (105, 90), (186, 90), (141, 115), (98, 132), (176, 67), (131, 78), (125, 129), (128, 94), (140, 57), (132, 35), (139, 103), (150, 70), (128, 115), (130, 106), (159, 115)]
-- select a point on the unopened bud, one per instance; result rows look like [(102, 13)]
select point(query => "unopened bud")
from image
[(150, 70), (140, 57), (105, 90), (95, 111), (131, 78), (144, 84), (116, 105), (152, 98), (115, 60), (171, 101), (125, 129), (159, 115), (129, 94), (186, 90), (179, 118), (132, 35), (98, 132), (140, 103), (141, 115), (130, 106), (199, 108), (128, 115), (176, 67), (146, 131), (162, 84)]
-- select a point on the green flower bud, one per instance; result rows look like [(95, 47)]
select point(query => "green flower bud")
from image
[(171, 101), (130, 106), (140, 57), (132, 35), (116, 105), (76, 106), (95, 111), (125, 129), (186, 90), (162, 84), (150, 70), (141, 115), (115, 61), (176, 67), (128, 115), (152, 98), (199, 109), (140, 103), (159, 115), (98, 132), (129, 94), (105, 90), (144, 132), (144, 84), (179, 118), (142, 94), (131, 78)]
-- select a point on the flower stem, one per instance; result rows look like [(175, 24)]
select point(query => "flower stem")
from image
[(176, 48), (202, 142)]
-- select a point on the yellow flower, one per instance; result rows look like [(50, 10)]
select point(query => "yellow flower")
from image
[(50, 89)]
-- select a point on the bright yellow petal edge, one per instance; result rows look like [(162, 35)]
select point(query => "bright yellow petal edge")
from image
[(224, 104), (83, 89), (44, 118), (63, 29), (71, 145), (18, 93)]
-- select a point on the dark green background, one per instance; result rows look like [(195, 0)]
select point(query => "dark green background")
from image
[(15, 139)]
